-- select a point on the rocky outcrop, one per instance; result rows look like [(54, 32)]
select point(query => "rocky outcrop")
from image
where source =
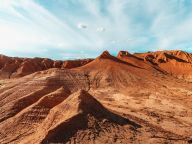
[(174, 62), (12, 67)]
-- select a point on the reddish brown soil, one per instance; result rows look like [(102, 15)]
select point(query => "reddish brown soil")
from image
[(131, 98)]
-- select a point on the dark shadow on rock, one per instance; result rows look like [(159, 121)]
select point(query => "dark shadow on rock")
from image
[(176, 58)]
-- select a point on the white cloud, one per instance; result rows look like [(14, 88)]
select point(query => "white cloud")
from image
[(171, 25), (93, 25), (82, 26), (38, 28), (101, 29)]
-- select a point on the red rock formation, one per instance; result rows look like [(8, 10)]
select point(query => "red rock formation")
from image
[(175, 62), (123, 99), (11, 67), (75, 63), (134, 60)]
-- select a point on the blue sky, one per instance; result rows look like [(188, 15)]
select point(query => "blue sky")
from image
[(68, 29)]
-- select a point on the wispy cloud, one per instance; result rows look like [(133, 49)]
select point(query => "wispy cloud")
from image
[(33, 26)]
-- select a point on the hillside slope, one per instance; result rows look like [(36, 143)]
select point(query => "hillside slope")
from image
[(124, 99)]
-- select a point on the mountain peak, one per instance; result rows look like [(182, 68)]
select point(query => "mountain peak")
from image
[(87, 103), (123, 53), (105, 55)]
